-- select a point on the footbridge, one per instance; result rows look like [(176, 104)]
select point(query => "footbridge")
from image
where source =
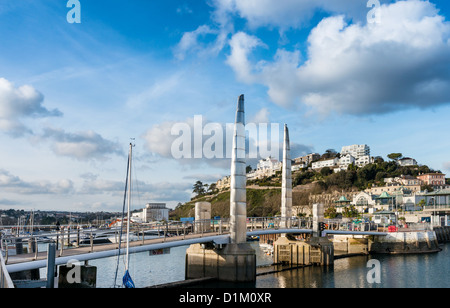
[(256, 227)]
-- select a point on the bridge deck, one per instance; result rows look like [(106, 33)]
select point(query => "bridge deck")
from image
[(28, 261), (73, 252)]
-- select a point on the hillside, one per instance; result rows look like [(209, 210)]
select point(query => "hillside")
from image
[(264, 196), (261, 202)]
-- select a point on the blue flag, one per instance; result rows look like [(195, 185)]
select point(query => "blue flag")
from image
[(127, 281)]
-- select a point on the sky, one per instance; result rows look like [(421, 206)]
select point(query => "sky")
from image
[(79, 79)]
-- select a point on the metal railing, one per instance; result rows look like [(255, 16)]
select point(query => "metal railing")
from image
[(5, 280)]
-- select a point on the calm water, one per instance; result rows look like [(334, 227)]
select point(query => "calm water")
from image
[(397, 271)]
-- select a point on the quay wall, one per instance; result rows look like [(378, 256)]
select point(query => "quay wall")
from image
[(392, 243), (442, 234)]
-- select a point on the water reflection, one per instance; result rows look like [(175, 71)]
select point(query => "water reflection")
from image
[(397, 271)]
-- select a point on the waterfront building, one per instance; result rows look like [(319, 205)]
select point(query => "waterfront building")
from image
[(438, 199), (364, 202), (153, 212)]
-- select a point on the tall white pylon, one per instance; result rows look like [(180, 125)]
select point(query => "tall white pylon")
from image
[(286, 186), (238, 198)]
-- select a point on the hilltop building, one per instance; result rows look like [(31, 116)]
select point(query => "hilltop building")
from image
[(307, 159), (357, 151), (407, 161), (358, 155), (432, 179), (265, 168)]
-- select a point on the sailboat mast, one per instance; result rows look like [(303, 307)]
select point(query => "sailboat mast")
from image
[(128, 206)]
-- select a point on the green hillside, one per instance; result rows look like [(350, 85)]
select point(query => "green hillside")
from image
[(266, 199)]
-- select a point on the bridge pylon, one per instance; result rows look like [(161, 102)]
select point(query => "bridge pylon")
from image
[(235, 261)]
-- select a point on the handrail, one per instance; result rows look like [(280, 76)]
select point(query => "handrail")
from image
[(5, 280)]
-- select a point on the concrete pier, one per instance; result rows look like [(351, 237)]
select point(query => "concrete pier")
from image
[(442, 234), (316, 250), (392, 243)]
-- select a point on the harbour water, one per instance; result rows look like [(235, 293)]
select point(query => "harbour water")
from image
[(396, 271)]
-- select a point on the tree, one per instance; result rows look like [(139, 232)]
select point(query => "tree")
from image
[(326, 171), (199, 188), (330, 153), (248, 169), (395, 156), (212, 188), (330, 212), (350, 211)]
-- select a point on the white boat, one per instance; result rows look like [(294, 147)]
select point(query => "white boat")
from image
[(266, 248)]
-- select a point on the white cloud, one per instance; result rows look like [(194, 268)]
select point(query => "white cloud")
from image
[(287, 13), (191, 42), (19, 103), (359, 69), (14, 184), (85, 145), (241, 45), (262, 116), (446, 166)]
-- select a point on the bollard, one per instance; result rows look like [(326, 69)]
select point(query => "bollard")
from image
[(51, 254)]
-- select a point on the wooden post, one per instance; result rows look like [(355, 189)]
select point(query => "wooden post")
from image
[(78, 237), (62, 242), (92, 242), (36, 248)]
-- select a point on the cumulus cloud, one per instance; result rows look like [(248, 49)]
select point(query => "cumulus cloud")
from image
[(359, 69), (17, 103), (291, 13), (241, 45), (83, 146), (209, 39), (14, 184), (198, 141), (158, 192)]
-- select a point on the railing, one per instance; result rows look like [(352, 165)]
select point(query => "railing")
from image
[(436, 206), (69, 238), (5, 279)]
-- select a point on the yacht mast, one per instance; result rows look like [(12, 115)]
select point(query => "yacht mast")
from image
[(128, 205)]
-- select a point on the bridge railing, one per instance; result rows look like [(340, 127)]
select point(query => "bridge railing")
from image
[(5, 280)]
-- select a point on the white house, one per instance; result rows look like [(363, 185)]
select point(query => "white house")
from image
[(265, 168), (407, 161), (356, 150), (346, 160), (325, 163), (363, 160)]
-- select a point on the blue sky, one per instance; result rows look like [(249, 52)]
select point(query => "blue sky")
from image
[(73, 94)]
